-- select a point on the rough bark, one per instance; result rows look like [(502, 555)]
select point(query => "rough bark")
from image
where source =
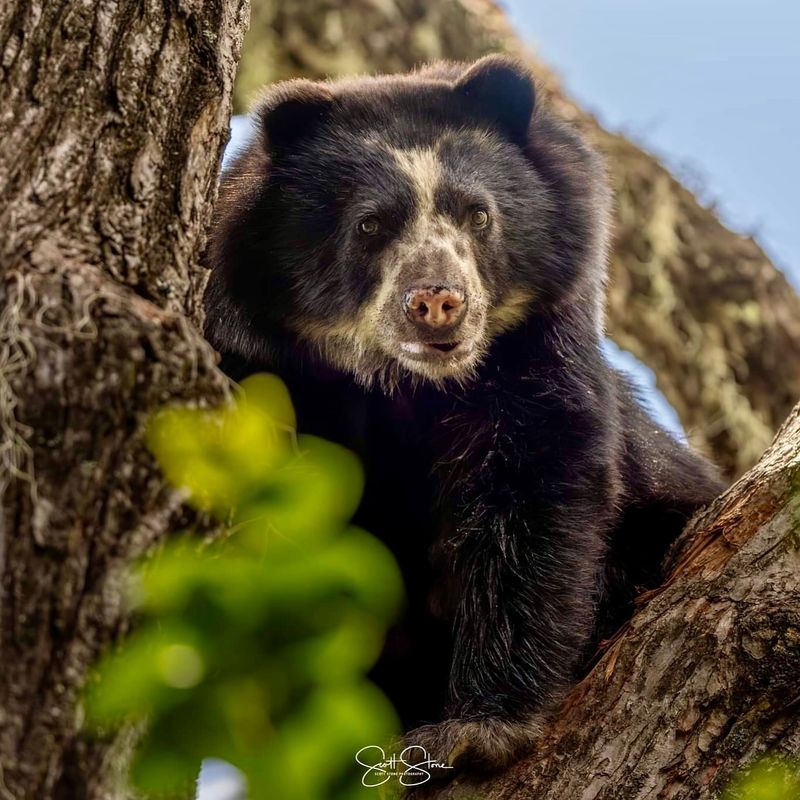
[(702, 306), (113, 117), (704, 679)]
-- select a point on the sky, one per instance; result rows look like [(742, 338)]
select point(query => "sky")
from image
[(711, 86)]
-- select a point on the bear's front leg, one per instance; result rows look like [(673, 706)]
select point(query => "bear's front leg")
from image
[(523, 559), (526, 611)]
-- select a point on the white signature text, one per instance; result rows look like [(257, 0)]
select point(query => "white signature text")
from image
[(411, 767)]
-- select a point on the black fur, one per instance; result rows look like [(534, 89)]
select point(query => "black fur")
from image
[(528, 499)]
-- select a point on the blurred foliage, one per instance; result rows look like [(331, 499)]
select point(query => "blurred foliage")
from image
[(768, 779), (253, 648)]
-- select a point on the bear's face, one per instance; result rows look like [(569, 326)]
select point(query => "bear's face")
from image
[(402, 223), (416, 261)]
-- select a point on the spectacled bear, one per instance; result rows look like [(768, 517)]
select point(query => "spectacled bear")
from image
[(422, 258)]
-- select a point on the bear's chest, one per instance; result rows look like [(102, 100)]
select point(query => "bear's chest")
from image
[(393, 438)]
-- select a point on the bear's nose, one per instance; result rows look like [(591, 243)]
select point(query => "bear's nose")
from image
[(434, 306)]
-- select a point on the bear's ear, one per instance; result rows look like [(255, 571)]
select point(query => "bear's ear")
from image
[(500, 91), (291, 111)]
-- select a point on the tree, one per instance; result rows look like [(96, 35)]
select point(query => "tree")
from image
[(702, 306), (114, 117)]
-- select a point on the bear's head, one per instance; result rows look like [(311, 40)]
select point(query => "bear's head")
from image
[(398, 225)]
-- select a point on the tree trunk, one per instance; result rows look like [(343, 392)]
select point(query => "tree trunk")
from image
[(704, 679), (702, 306), (113, 117)]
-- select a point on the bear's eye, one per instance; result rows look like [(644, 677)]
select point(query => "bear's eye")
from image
[(479, 218), (369, 226)]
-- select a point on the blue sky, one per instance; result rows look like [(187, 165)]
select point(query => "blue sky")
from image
[(712, 87)]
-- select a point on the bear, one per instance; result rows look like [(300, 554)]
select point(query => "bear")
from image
[(423, 258)]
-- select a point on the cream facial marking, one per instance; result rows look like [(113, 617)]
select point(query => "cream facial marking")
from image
[(424, 169), (511, 311), (435, 249), (432, 248)]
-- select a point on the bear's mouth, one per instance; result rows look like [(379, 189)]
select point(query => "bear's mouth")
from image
[(427, 351), (444, 347)]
